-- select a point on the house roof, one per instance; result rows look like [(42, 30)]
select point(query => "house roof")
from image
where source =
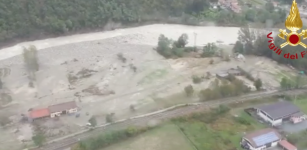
[(262, 137), (287, 145), (279, 109), (298, 114), (62, 106), (39, 113)]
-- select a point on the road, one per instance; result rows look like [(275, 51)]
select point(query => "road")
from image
[(63, 143)]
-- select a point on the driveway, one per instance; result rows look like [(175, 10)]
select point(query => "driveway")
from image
[(293, 128)]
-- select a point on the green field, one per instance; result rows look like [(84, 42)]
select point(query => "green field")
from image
[(301, 103), (224, 133), (166, 137)]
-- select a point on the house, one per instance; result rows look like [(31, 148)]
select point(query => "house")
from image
[(261, 139), (63, 108), (278, 112), (286, 145), (298, 117), (39, 113)]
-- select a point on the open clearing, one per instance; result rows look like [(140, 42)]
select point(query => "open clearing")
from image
[(166, 137), (106, 84)]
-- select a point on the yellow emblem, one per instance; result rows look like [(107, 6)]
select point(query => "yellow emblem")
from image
[(293, 23)]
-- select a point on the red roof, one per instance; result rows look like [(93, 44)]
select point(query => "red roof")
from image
[(39, 113), (287, 145)]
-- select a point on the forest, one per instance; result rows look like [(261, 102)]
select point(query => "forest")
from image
[(33, 19)]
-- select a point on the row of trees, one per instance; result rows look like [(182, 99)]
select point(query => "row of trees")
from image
[(170, 48), (223, 88)]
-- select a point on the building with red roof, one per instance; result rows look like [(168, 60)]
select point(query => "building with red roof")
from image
[(286, 145), (39, 113)]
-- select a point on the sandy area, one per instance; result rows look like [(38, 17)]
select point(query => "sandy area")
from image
[(154, 78), (144, 35)]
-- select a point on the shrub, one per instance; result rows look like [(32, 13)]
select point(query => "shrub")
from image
[(121, 57), (189, 90), (242, 120), (196, 79)]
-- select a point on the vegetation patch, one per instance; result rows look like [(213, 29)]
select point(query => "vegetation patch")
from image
[(166, 137), (217, 129), (109, 138), (153, 76), (223, 88)]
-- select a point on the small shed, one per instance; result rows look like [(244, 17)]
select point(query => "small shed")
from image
[(286, 145), (298, 117)]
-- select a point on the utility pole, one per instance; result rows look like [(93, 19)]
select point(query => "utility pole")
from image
[(195, 36)]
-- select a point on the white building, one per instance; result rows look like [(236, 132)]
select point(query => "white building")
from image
[(63, 108), (276, 113), (261, 139)]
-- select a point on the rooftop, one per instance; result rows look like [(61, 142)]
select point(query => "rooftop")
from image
[(262, 137), (298, 114), (62, 106), (287, 145), (39, 113), (279, 109)]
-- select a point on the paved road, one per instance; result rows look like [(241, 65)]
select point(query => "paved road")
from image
[(143, 121)]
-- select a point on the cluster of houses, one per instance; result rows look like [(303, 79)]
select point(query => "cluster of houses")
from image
[(274, 114), (54, 110)]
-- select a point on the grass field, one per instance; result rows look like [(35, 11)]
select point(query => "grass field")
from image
[(217, 131), (166, 137), (301, 103)]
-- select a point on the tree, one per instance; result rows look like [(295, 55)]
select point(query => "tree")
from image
[(247, 36), (250, 15), (93, 121), (269, 6), (182, 41), (209, 50), (39, 139), (31, 61), (258, 84), (238, 48), (285, 83), (1, 84), (189, 90), (164, 46)]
